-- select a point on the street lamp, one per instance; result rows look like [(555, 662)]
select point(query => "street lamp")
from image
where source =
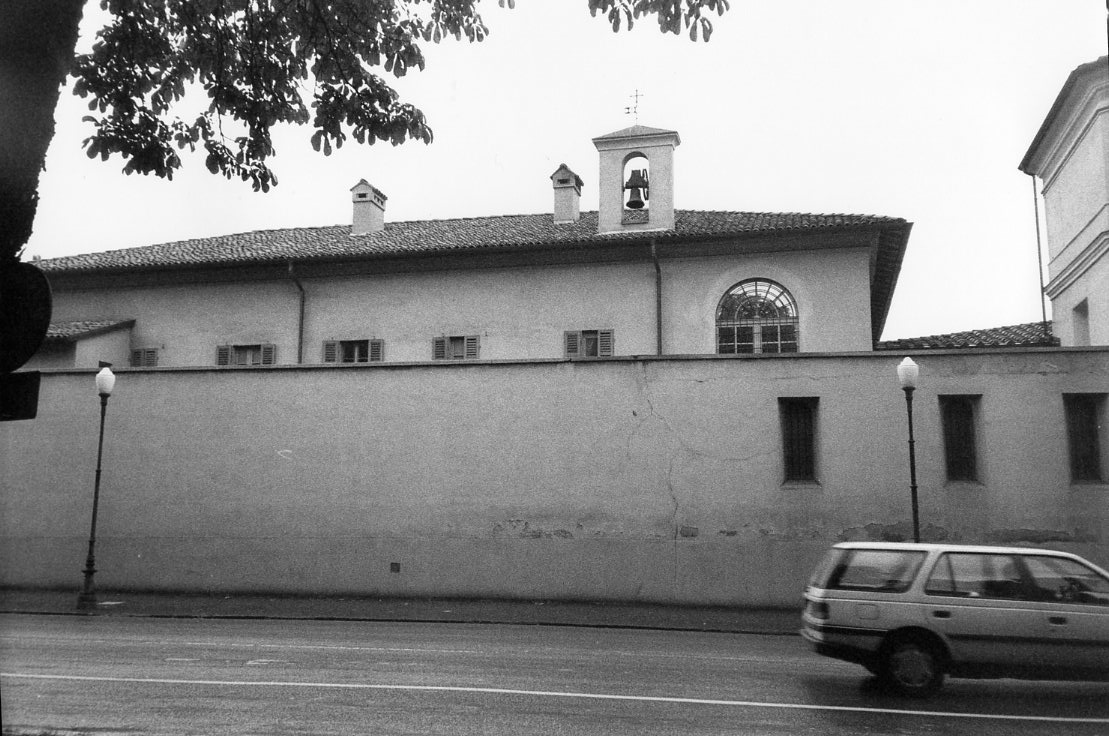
[(105, 382), (907, 373)]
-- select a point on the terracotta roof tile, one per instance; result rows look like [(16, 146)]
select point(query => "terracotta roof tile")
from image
[(423, 237), (77, 329), (1025, 335)]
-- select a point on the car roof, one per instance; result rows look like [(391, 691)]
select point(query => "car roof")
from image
[(929, 546)]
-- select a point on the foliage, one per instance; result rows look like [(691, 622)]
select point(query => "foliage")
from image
[(258, 60)]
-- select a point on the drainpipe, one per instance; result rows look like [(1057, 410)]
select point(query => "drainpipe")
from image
[(1040, 253), (658, 298), (300, 315)]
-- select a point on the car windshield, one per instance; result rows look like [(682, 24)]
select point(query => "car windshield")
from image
[(887, 570)]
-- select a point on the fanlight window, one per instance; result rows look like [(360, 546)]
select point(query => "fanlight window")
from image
[(756, 316)]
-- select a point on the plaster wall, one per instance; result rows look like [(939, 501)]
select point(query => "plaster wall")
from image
[(1091, 287), (831, 289), (1078, 192), (625, 479), (519, 313), (187, 321), (113, 347)]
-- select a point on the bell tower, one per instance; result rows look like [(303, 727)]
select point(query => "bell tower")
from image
[(636, 179)]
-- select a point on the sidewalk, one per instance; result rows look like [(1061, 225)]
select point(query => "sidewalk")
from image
[(554, 613)]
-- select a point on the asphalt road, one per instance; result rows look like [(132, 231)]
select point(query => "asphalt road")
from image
[(197, 676)]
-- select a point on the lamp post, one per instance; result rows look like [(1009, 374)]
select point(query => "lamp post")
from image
[(907, 373), (105, 382)]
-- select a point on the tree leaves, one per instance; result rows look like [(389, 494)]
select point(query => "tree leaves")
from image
[(251, 58)]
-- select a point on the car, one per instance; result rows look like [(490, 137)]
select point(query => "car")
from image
[(914, 613)]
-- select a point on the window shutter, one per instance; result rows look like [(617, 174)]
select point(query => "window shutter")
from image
[(439, 348), (472, 344), (223, 355), (330, 351), (136, 358), (572, 344), (269, 354), (150, 357), (604, 343), (377, 350)]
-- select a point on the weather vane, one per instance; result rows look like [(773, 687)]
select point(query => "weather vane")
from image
[(633, 109)]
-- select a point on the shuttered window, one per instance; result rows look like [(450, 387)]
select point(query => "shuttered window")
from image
[(1083, 438), (456, 347), (798, 417), (258, 354), (144, 358), (960, 449), (588, 343), (353, 351)]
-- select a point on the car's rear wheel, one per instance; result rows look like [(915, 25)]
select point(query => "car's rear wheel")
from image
[(913, 666)]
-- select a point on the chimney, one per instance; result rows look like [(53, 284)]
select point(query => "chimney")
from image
[(369, 209), (567, 194)]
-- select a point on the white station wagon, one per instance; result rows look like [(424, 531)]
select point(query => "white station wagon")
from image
[(913, 613)]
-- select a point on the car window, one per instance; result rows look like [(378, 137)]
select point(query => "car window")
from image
[(971, 575), (1067, 581), (875, 569)]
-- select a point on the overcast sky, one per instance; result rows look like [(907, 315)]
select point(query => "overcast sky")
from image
[(920, 110)]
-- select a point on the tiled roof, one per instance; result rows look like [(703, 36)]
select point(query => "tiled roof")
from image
[(77, 329), (1026, 335), (635, 130), (425, 237)]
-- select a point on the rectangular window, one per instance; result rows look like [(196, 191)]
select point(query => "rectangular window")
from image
[(1084, 412), (353, 351), (960, 420), (456, 347), (798, 417), (144, 358), (257, 354), (588, 343)]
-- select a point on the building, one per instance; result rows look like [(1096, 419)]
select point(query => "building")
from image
[(1070, 159), (636, 403)]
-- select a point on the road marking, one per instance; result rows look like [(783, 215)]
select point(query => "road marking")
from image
[(557, 694)]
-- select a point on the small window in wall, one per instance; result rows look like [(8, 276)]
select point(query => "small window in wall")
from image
[(588, 343), (455, 347), (257, 354), (960, 420), (1084, 413), (353, 351), (798, 416), (756, 316), (144, 358)]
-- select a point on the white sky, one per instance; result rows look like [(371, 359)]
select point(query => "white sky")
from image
[(906, 108)]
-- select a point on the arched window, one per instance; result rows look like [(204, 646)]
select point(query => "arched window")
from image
[(756, 316)]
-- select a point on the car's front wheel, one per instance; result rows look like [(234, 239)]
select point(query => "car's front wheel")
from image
[(913, 666)]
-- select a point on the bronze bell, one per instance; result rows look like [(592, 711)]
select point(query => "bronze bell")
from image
[(637, 183)]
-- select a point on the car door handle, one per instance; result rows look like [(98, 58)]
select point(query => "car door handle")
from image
[(942, 614), (1058, 620)]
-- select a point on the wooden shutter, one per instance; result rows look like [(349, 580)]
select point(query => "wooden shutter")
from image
[(223, 355), (472, 345), (573, 343), (377, 350), (269, 354), (439, 348), (136, 358), (330, 351), (604, 343)]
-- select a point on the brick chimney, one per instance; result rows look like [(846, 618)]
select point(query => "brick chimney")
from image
[(567, 194), (369, 209)]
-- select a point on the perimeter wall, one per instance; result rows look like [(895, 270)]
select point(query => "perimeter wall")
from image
[(621, 479)]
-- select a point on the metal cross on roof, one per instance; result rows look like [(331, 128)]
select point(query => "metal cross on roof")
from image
[(633, 109)]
